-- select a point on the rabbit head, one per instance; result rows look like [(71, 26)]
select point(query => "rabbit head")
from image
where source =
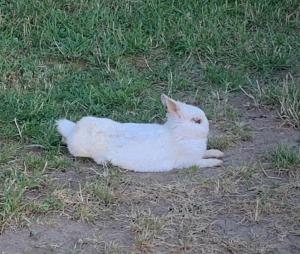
[(191, 120)]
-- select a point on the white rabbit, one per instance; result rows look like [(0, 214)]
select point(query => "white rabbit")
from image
[(179, 143)]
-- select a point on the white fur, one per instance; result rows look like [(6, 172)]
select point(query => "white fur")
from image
[(179, 143), (65, 127)]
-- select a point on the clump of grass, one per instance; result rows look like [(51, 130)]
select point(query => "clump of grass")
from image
[(8, 152), (236, 132), (104, 189), (146, 228), (289, 100), (113, 248), (58, 162), (101, 192), (221, 77), (284, 157), (84, 211), (76, 204), (242, 131), (221, 143), (21, 175), (34, 162), (218, 107), (281, 93), (234, 180), (14, 184), (50, 203), (42, 162)]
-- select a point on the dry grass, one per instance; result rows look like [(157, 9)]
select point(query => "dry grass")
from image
[(289, 100), (283, 93), (229, 213), (234, 133)]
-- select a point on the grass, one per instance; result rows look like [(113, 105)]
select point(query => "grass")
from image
[(8, 152), (222, 143), (283, 93), (14, 185), (114, 59), (290, 102), (146, 229), (236, 132), (284, 157)]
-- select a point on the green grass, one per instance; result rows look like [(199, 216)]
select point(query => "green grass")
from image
[(234, 133), (14, 184), (283, 93), (289, 101), (102, 189), (146, 229), (284, 157), (222, 142), (8, 152), (70, 58)]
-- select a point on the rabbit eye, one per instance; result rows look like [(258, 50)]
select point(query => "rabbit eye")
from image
[(197, 120)]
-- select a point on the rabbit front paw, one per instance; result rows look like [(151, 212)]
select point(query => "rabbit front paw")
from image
[(213, 153)]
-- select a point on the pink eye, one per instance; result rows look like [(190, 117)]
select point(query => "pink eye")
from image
[(197, 120)]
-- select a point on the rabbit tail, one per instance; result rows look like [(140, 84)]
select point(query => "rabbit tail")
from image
[(65, 127)]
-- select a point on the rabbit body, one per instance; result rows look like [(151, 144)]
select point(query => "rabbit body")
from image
[(179, 143)]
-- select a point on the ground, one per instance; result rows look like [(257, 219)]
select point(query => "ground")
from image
[(237, 60)]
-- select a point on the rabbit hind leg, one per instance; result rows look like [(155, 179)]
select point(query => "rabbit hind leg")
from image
[(207, 163)]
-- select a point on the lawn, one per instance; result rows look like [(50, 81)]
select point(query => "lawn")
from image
[(237, 60)]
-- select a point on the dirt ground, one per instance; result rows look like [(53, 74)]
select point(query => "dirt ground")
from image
[(245, 206)]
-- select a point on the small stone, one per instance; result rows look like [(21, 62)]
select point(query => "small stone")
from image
[(33, 234)]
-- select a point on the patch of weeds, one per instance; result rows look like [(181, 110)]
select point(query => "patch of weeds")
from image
[(78, 205), (235, 132), (101, 192), (218, 108), (84, 211), (221, 143), (278, 200), (233, 181), (289, 101), (146, 222), (146, 228), (41, 162), (281, 93), (262, 93), (105, 189), (34, 162), (8, 152), (113, 248), (219, 76), (95, 244), (50, 203), (14, 185), (242, 131), (96, 195), (190, 171), (242, 174), (284, 157), (59, 162)]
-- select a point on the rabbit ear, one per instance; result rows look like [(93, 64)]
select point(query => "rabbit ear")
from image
[(171, 104)]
